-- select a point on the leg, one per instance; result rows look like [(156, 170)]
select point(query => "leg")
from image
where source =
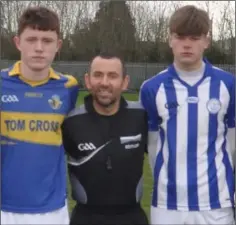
[(164, 216), (56, 217), (139, 217), (212, 217), (79, 216), (9, 218), (133, 216)]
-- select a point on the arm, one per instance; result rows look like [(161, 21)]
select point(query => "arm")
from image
[(67, 141), (147, 100), (73, 87), (231, 121), (145, 133), (231, 137), (74, 92)]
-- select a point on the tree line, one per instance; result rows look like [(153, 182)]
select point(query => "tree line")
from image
[(138, 30)]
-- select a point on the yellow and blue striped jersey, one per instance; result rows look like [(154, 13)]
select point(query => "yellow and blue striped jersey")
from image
[(32, 155)]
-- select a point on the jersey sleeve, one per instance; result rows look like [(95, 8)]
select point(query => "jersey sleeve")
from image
[(67, 141), (74, 93), (73, 86), (147, 100), (231, 107)]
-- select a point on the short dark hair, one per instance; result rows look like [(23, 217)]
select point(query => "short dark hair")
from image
[(40, 18), (110, 55), (189, 21)]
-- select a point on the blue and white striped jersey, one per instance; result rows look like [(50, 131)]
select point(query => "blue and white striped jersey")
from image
[(192, 162)]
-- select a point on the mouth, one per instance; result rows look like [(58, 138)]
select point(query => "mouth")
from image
[(187, 54), (38, 57), (104, 93)]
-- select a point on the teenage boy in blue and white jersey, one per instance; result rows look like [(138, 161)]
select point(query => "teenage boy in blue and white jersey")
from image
[(191, 110)]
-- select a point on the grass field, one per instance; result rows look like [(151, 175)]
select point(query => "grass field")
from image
[(147, 175)]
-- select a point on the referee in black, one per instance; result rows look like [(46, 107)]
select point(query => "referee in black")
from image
[(106, 139)]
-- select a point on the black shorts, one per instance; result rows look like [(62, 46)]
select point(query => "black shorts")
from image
[(131, 216)]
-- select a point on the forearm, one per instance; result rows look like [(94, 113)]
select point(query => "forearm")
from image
[(152, 148), (231, 138)]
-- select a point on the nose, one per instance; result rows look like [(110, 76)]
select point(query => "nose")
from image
[(39, 46), (187, 43), (105, 80)]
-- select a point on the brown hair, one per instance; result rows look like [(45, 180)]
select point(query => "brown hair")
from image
[(40, 18), (189, 21)]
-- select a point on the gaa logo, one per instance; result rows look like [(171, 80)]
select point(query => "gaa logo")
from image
[(86, 146), (9, 98)]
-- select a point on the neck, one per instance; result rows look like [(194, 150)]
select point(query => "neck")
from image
[(188, 67), (33, 75), (106, 111)]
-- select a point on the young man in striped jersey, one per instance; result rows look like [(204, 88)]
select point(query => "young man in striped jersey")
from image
[(34, 101), (191, 110)]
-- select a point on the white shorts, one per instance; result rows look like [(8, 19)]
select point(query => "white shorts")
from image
[(60, 216), (218, 216)]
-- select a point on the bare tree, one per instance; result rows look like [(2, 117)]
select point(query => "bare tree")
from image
[(226, 24), (142, 16)]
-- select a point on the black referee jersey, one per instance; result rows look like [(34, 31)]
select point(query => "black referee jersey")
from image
[(106, 154)]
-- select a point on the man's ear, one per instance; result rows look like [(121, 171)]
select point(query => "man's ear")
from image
[(126, 82), (87, 81)]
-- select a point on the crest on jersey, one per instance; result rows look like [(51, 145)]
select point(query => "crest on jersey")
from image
[(55, 102), (213, 105)]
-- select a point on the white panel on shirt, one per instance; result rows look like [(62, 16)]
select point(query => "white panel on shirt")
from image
[(181, 145), (202, 144), (222, 184)]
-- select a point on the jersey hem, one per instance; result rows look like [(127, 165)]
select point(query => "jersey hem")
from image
[(187, 208), (11, 209)]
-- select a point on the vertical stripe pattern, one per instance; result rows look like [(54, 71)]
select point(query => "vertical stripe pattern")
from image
[(212, 136), (172, 105), (202, 145), (192, 151), (159, 193), (193, 169), (181, 145)]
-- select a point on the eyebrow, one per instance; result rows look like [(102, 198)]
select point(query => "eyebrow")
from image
[(110, 72), (34, 36)]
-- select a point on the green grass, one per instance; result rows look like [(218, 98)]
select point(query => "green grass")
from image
[(146, 200)]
